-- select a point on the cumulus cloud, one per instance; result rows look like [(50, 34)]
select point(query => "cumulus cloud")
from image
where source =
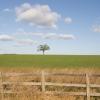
[(68, 20), (4, 37), (39, 15), (96, 28)]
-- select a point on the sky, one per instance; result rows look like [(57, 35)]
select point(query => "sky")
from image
[(67, 26)]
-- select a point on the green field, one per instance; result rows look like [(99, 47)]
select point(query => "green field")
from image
[(49, 61)]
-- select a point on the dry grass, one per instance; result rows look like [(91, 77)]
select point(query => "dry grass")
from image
[(33, 92)]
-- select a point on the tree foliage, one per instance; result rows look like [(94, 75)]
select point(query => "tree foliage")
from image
[(43, 48)]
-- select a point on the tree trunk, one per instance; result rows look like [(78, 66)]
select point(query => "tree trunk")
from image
[(43, 52)]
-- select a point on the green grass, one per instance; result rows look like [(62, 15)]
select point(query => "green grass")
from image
[(49, 61)]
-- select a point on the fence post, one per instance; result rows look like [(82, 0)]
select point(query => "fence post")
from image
[(1, 86), (43, 81), (88, 86)]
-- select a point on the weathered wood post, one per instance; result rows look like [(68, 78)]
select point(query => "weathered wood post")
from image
[(43, 81), (88, 86), (1, 86)]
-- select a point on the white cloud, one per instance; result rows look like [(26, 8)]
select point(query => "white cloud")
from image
[(68, 20), (26, 42), (56, 36), (96, 28), (59, 36), (39, 15), (37, 34), (7, 10), (4, 37)]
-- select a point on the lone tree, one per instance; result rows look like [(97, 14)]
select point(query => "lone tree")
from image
[(43, 48)]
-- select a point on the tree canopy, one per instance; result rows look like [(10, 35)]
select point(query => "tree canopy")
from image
[(43, 48)]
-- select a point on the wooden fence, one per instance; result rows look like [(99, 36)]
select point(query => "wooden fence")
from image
[(43, 84)]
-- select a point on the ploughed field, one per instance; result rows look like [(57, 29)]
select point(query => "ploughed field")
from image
[(49, 61)]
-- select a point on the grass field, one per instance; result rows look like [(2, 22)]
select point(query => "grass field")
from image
[(49, 61)]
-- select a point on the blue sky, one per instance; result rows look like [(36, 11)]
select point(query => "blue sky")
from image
[(67, 26)]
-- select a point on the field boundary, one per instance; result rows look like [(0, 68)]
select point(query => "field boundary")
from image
[(43, 83)]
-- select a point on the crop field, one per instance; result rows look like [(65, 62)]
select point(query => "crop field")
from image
[(49, 61)]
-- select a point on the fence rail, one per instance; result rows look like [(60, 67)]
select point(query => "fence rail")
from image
[(43, 83)]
